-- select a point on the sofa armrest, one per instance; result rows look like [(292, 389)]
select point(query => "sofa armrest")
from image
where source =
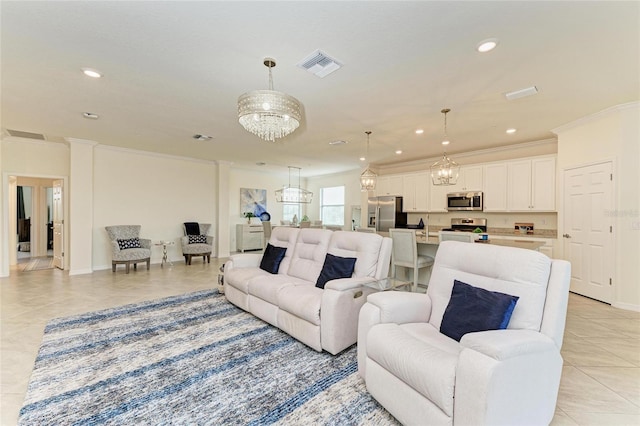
[(343, 284), (505, 344), (244, 260)]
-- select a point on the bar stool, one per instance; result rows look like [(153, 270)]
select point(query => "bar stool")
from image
[(404, 253)]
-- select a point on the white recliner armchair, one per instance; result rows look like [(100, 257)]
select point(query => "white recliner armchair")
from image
[(498, 377)]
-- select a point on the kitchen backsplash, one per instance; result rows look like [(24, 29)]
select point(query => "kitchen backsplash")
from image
[(545, 224)]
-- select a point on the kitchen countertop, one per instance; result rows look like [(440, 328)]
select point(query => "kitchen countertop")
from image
[(507, 232), (519, 243)]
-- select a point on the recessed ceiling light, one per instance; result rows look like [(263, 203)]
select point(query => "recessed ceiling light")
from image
[(487, 45), (339, 142), (90, 115), (516, 94), (202, 137), (399, 152), (419, 132), (445, 142), (89, 72), (362, 158), (510, 131)]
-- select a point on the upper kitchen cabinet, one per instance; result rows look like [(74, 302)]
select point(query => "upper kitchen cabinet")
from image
[(389, 185), (438, 197), (531, 185), (495, 187), (415, 192), (470, 179)]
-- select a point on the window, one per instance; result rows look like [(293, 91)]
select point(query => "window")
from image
[(332, 205), (289, 210)]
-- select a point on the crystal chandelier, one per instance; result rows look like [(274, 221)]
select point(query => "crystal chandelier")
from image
[(445, 171), (368, 177), (294, 194), (269, 114)]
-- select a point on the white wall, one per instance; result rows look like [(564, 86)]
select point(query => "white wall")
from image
[(156, 191), (613, 134)]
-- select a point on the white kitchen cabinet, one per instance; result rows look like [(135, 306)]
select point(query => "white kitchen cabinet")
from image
[(531, 185), (495, 187), (389, 185), (249, 237), (415, 192), (470, 178)]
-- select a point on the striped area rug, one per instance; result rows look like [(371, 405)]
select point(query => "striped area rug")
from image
[(39, 263), (192, 359)]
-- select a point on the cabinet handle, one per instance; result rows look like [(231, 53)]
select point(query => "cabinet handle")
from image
[(566, 236)]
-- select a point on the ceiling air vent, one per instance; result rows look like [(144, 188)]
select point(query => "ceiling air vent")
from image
[(28, 135), (319, 64)]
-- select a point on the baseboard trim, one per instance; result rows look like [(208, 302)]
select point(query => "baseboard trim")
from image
[(80, 271), (626, 306)]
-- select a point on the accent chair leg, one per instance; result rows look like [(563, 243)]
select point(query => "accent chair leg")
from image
[(208, 257), (148, 263), (188, 259), (127, 266), (113, 266)]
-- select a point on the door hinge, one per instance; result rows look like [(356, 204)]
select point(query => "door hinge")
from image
[(610, 176), (62, 254), (610, 281), (610, 229)]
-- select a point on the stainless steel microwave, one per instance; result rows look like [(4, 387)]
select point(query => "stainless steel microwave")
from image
[(464, 201)]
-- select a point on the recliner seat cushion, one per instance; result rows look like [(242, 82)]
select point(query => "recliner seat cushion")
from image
[(240, 277), (396, 348), (303, 301), (267, 286)]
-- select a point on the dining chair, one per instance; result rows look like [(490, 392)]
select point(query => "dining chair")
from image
[(266, 227), (404, 253)]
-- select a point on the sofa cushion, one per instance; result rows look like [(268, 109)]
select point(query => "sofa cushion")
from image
[(302, 301), (240, 277), (271, 258), (335, 267), (267, 287), (363, 246), (396, 348), (129, 243), (309, 253), (472, 309), (519, 272)]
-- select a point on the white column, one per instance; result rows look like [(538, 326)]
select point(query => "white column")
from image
[(224, 230), (79, 219)]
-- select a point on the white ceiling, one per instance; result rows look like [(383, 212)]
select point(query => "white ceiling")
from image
[(175, 69)]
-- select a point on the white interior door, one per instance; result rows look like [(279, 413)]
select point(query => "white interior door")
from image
[(588, 238), (58, 224)]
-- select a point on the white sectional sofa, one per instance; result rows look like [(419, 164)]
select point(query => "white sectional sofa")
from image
[(324, 319)]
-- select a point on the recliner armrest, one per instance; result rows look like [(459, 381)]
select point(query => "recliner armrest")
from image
[(505, 344), (401, 307)]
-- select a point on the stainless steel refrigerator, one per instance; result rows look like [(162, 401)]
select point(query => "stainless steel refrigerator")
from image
[(385, 213)]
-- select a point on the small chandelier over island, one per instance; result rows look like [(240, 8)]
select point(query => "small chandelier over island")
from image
[(445, 171), (269, 114), (368, 178)]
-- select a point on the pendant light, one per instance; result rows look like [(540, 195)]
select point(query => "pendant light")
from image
[(445, 171), (294, 194), (368, 177)]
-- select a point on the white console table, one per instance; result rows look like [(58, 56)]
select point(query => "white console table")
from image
[(249, 237)]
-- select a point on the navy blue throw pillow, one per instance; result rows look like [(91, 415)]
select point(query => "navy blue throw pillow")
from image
[(335, 267), (472, 309), (271, 258)]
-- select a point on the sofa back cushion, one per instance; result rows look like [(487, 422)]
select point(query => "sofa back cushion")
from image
[(365, 247), (518, 272), (284, 236), (309, 253)]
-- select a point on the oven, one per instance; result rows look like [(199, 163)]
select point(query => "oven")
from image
[(462, 229), (466, 201)]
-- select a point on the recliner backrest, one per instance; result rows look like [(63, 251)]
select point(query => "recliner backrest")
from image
[(519, 272), (364, 247), (284, 236), (309, 253)]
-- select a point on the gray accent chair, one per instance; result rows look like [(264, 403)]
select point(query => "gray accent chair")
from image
[(197, 249), (130, 255)]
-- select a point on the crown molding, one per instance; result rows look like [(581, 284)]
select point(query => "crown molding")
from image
[(595, 116), (81, 141), (155, 154)]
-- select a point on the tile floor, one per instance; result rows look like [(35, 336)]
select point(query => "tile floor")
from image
[(600, 382)]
